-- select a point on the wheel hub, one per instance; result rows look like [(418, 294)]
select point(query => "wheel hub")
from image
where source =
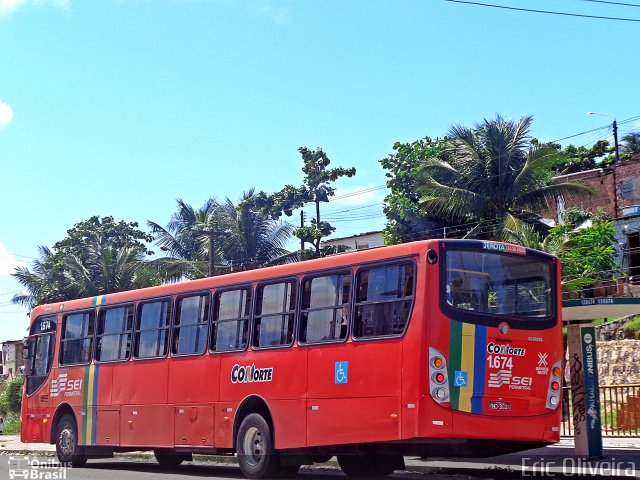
[(253, 446), (67, 441)]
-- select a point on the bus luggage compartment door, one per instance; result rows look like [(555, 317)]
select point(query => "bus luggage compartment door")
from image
[(194, 425)]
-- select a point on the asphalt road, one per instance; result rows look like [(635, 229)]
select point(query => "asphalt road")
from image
[(147, 469)]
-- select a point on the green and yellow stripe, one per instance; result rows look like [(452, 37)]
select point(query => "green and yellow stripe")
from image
[(90, 404)]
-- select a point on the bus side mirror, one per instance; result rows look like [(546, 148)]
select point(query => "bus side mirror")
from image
[(25, 353)]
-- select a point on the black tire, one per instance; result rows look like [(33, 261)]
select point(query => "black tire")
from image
[(369, 465), (169, 458), (254, 445), (67, 448)]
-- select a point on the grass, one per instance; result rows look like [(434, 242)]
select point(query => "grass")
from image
[(632, 329), (12, 424)]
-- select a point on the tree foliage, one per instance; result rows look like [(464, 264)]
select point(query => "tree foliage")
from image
[(247, 238), (98, 256), (11, 396), (315, 189), (493, 177), (406, 220)]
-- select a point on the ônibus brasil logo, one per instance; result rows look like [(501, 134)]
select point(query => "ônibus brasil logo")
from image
[(249, 373)]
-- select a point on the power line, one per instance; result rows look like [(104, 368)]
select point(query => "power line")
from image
[(548, 12), (622, 4)]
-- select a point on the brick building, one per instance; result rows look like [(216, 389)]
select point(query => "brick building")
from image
[(617, 191), (12, 361)]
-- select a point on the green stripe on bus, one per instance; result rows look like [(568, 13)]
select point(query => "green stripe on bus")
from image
[(455, 360)]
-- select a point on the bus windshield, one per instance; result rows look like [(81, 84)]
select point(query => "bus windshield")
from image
[(498, 284)]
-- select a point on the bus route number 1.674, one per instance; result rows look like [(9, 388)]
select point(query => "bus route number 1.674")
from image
[(500, 362)]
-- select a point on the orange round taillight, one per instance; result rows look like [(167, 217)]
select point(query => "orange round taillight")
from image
[(556, 371), (555, 386), (438, 362)]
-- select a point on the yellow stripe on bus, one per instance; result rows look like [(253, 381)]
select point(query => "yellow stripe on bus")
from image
[(89, 405), (467, 365)]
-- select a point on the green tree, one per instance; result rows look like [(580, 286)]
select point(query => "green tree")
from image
[(98, 256), (493, 177), (248, 238), (631, 143), (11, 396), (183, 238), (580, 159), (315, 189), (406, 220)]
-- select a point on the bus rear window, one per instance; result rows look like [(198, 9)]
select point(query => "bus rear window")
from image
[(498, 284)]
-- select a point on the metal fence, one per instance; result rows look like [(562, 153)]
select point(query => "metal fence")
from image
[(619, 410)]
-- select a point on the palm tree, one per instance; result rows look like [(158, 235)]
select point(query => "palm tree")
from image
[(492, 177), (246, 238), (103, 268), (44, 283), (631, 143), (252, 238)]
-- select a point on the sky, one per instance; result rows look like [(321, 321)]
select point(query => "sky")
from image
[(120, 107)]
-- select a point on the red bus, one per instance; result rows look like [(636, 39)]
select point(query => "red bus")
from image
[(432, 348)]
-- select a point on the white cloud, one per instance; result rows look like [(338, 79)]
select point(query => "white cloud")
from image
[(358, 195), (7, 7), (8, 261), (6, 113), (278, 14)]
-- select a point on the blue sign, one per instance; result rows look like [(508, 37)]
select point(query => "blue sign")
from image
[(461, 378), (342, 372)]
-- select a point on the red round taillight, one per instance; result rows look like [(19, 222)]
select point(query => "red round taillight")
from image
[(439, 377), (555, 386)]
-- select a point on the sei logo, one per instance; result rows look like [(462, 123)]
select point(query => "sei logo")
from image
[(70, 388)]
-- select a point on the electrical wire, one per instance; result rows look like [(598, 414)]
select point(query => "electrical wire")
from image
[(548, 12)]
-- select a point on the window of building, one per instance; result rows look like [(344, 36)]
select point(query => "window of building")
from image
[(325, 308), (113, 336), (274, 314), (383, 300), (152, 329), (231, 320), (191, 325), (77, 338)]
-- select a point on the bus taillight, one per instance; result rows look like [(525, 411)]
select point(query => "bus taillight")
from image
[(438, 381), (553, 392)]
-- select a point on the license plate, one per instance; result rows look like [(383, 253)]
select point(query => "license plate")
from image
[(499, 406)]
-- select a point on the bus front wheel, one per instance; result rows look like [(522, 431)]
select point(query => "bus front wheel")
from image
[(254, 444), (67, 448)]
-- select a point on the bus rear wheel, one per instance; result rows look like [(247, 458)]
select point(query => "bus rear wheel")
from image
[(369, 465), (67, 448), (169, 458), (254, 444)]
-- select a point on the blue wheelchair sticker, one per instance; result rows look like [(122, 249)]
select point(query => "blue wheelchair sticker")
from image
[(461, 378), (342, 372)]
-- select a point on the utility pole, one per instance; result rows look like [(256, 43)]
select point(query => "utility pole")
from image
[(615, 139), (212, 234), (301, 226)]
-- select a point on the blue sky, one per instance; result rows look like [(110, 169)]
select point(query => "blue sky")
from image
[(119, 107)]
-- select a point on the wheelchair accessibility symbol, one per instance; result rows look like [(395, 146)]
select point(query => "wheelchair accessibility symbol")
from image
[(461, 378), (342, 372)]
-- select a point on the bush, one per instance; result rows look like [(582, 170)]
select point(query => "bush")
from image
[(632, 329), (11, 397), (12, 424)]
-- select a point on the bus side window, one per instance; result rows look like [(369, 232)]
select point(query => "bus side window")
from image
[(325, 309), (231, 320), (152, 328), (77, 338), (384, 300), (274, 315), (191, 324), (114, 334)]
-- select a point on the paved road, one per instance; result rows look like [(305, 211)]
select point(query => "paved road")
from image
[(147, 469)]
